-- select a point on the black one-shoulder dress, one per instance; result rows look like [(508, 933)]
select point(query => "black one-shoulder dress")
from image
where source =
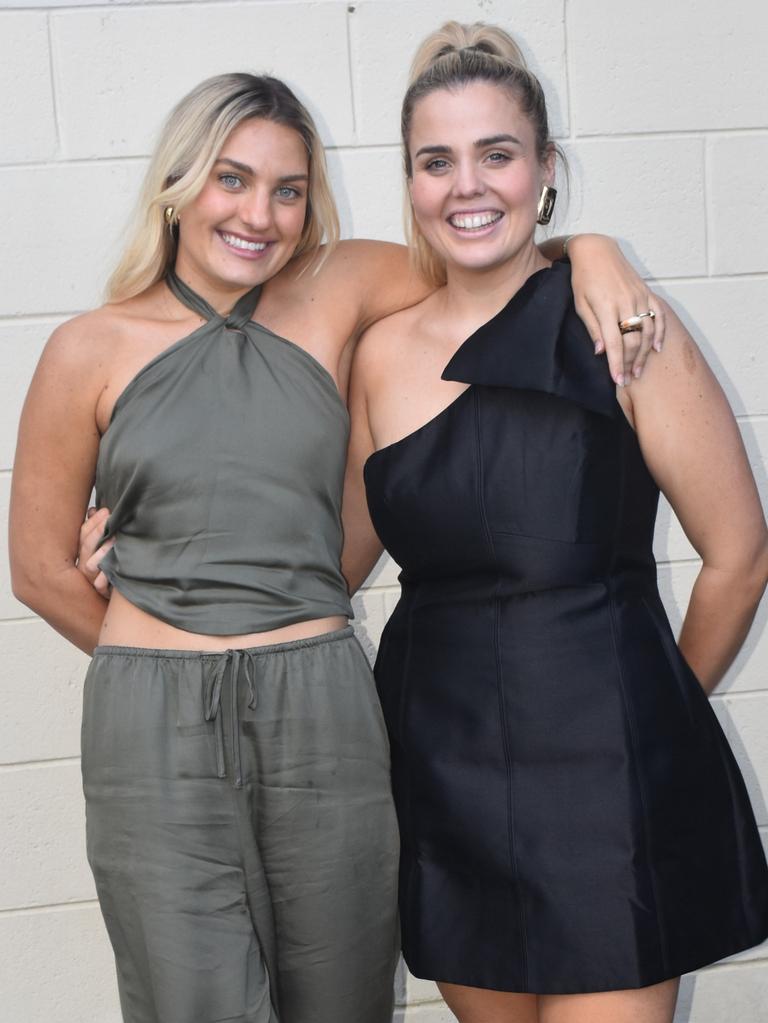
[(572, 818)]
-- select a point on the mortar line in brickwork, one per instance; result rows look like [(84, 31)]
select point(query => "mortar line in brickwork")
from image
[(709, 234), (38, 765), (110, 5), (52, 73), (751, 417), (5, 473), (52, 907), (568, 96), (81, 161), (351, 68), (752, 275), (22, 619), (663, 134), (44, 319)]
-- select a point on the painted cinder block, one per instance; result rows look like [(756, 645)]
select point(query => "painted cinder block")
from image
[(678, 67), (44, 836), (64, 225), (629, 188), (738, 201), (724, 994), (27, 123), (9, 606), (748, 736), (42, 679), (368, 185), (20, 348), (386, 33), (56, 966), (119, 72)]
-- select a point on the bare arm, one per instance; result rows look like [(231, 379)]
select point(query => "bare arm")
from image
[(52, 479), (362, 547), (693, 448), (606, 289)]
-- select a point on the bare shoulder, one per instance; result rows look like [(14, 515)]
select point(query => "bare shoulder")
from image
[(75, 343)]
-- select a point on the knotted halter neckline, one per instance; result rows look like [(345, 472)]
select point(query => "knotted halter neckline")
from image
[(236, 319)]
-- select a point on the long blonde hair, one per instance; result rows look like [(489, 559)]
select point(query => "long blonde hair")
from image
[(453, 56), (189, 143)]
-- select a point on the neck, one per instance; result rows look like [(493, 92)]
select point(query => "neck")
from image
[(220, 295), (474, 296)]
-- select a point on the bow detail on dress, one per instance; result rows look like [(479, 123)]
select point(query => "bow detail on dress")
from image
[(538, 343)]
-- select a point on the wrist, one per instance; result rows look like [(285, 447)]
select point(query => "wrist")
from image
[(584, 241)]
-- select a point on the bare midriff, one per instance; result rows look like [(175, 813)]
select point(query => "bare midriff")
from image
[(127, 625)]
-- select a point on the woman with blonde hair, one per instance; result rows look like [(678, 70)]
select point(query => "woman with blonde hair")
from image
[(235, 763), (575, 833)]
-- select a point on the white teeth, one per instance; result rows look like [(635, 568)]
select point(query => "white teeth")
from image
[(474, 220), (241, 243)]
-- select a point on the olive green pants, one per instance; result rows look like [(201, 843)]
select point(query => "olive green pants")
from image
[(241, 832)]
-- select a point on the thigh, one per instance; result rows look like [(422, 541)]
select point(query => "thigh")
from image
[(327, 834), (475, 1005), (164, 846), (655, 1004)]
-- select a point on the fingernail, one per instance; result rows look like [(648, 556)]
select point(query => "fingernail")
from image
[(637, 371), (621, 380), (599, 347), (657, 346)]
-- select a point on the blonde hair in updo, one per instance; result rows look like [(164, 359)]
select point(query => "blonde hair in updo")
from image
[(453, 56)]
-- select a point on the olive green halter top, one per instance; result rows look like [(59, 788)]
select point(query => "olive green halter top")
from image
[(222, 468)]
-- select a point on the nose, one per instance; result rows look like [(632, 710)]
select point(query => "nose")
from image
[(256, 209), (467, 180)]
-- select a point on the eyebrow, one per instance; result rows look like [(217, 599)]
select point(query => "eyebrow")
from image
[(249, 170), (492, 140)]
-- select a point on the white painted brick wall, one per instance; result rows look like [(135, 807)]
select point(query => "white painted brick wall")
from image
[(662, 111)]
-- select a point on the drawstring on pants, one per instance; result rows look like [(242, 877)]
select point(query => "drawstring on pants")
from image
[(213, 688)]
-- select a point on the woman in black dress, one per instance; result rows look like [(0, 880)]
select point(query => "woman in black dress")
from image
[(575, 831)]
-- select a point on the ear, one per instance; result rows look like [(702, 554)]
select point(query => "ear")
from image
[(548, 165)]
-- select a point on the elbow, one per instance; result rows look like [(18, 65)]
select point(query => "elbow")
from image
[(754, 573), (27, 586), (25, 591)]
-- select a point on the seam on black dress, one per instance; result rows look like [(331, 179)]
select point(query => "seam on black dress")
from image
[(500, 694), (629, 713)]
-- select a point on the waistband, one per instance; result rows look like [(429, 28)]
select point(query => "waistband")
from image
[(252, 651)]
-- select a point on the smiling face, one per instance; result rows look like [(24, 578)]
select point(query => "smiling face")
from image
[(245, 224), (477, 175)]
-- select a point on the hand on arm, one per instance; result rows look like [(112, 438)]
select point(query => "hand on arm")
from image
[(692, 446), (90, 554), (607, 289), (362, 547), (52, 480)]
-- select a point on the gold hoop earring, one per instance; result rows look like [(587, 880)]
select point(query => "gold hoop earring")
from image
[(168, 215), (546, 205)]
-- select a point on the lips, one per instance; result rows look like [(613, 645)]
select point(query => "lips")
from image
[(471, 220)]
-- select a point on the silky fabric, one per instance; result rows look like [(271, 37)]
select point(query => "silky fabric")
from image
[(241, 832), (572, 818), (222, 468)]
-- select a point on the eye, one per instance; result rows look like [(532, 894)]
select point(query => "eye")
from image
[(498, 157), (288, 192), (230, 180), (438, 164)]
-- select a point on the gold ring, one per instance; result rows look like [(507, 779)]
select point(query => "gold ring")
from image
[(635, 322)]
